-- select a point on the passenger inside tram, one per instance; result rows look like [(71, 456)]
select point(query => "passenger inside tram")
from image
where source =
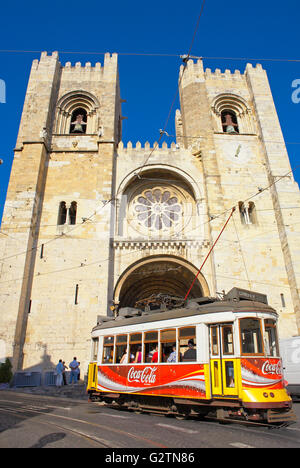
[(155, 355), (172, 354), (190, 354)]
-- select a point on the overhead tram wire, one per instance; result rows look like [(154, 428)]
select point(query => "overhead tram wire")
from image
[(239, 134), (154, 54), (185, 60), (101, 261), (132, 218), (214, 217), (211, 249)]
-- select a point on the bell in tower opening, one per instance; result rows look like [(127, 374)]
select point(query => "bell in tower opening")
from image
[(229, 122), (78, 121)]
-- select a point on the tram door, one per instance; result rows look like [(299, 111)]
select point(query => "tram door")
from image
[(223, 368)]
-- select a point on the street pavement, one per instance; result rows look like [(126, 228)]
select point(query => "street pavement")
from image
[(29, 420)]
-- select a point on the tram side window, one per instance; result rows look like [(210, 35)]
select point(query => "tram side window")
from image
[(121, 349), (251, 338), (187, 344), (135, 348), (95, 347), (271, 339), (150, 344), (167, 345), (108, 350)]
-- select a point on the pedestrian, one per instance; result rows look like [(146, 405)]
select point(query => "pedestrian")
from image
[(59, 373), (78, 372), (74, 373), (64, 373)]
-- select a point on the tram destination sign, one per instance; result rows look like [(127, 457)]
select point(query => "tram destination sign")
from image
[(238, 294)]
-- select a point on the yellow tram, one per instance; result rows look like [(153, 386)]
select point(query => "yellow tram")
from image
[(211, 357)]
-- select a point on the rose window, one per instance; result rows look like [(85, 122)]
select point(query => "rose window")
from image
[(157, 208)]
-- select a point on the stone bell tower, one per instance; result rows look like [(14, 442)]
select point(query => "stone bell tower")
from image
[(230, 124), (62, 175)]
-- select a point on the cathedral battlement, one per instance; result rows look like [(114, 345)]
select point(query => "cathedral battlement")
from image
[(109, 60), (53, 58), (194, 71), (219, 74), (138, 146), (45, 59)]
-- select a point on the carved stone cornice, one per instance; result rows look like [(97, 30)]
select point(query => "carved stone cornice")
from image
[(134, 244)]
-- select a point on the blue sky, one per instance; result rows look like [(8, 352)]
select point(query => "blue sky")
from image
[(256, 29)]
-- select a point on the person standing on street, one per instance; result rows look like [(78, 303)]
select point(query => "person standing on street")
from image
[(59, 373), (64, 373), (74, 370)]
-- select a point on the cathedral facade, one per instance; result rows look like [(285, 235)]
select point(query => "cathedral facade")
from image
[(93, 225)]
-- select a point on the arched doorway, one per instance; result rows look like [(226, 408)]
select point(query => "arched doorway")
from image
[(158, 275)]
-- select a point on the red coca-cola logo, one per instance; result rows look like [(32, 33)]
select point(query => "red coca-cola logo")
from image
[(272, 368), (145, 376)]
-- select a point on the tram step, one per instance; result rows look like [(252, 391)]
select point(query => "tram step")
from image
[(274, 416)]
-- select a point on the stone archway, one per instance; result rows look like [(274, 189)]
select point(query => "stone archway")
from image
[(158, 274)]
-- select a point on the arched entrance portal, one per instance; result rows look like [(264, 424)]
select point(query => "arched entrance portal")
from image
[(155, 275)]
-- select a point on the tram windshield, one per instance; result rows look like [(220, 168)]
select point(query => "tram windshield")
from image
[(251, 336)]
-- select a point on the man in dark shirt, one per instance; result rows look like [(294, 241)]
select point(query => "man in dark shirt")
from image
[(190, 354)]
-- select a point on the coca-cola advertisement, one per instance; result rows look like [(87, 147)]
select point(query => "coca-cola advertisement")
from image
[(165, 380), (262, 372)]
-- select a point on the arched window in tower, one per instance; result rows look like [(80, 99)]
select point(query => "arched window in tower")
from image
[(229, 122), (247, 213), (232, 114), (78, 113), (72, 213), (78, 121), (62, 213)]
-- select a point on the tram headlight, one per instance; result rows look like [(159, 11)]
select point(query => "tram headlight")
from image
[(265, 395)]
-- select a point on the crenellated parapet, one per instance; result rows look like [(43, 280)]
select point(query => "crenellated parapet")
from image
[(88, 72), (110, 60), (195, 72), (138, 147)]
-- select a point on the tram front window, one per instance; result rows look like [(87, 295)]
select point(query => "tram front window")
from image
[(271, 340), (251, 337)]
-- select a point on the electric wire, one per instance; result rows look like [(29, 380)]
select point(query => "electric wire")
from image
[(154, 54), (213, 218), (162, 132)]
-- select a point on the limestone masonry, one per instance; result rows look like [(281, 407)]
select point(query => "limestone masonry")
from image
[(92, 223)]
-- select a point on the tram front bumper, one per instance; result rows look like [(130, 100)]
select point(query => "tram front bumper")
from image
[(268, 399)]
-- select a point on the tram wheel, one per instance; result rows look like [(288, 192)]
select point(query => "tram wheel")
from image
[(183, 413)]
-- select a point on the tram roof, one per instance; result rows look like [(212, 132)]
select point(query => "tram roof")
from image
[(192, 310)]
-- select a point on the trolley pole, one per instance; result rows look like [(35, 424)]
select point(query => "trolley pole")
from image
[(211, 249)]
